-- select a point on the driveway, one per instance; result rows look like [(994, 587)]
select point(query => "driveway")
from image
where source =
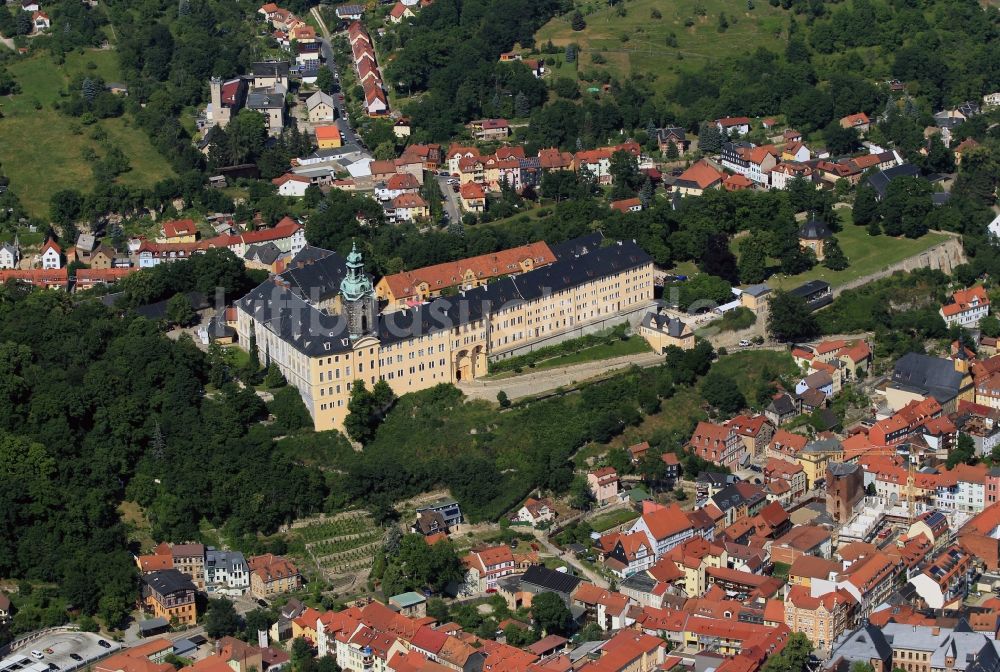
[(451, 205), (568, 558)]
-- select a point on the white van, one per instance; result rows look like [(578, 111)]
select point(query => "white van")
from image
[(36, 654)]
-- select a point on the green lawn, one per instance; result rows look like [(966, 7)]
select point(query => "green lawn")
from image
[(750, 368), (866, 255), (606, 521), (619, 348), (41, 149), (646, 51)]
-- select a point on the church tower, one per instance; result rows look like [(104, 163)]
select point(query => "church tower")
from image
[(358, 297)]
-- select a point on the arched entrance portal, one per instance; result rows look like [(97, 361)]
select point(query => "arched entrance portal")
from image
[(463, 366)]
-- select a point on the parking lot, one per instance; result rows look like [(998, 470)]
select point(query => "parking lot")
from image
[(62, 650)]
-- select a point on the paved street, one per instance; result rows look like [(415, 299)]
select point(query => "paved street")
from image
[(351, 139), (451, 205)]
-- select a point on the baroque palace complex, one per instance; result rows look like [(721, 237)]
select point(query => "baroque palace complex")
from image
[(320, 322)]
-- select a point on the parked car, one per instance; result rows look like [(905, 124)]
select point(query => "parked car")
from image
[(76, 656), (262, 603), (36, 654), (103, 644), (53, 667), (744, 343)]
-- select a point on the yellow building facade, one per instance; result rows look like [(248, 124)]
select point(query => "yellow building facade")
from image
[(322, 328)]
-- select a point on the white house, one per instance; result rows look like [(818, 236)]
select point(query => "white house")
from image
[(536, 512), (733, 125), (966, 308), (665, 528), (320, 107), (51, 255), (992, 99), (994, 227), (9, 255), (30, 6), (226, 572), (292, 185)]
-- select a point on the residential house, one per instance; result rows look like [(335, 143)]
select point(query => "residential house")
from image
[(51, 255), (607, 608), (490, 130), (399, 12), (664, 526), (966, 307), (40, 21), (9, 255), (786, 171), (603, 484), (272, 575), (697, 179), (409, 208), (5, 608), (627, 205), (823, 619), (859, 122), (320, 108), (292, 185), (271, 104), (662, 331), (472, 197), (731, 126), (737, 182), (536, 512), (376, 104), (802, 540), (795, 152), (718, 444), (755, 432), (781, 409), (672, 135), (486, 566), (226, 572), (755, 297), (628, 554), (917, 376), (169, 594), (946, 580), (790, 472)]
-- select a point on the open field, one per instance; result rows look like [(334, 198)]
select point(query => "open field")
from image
[(637, 43), (866, 255), (41, 150)]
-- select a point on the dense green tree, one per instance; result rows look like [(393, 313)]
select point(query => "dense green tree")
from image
[(577, 23), (180, 311), (865, 205), (221, 618), (550, 613), (790, 319), (834, 257), (964, 451), (722, 392), (325, 81), (753, 260)]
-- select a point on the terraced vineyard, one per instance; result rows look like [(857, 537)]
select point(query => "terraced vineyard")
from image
[(344, 545)]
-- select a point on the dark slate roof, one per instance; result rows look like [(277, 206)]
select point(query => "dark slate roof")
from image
[(807, 289), (730, 497), (530, 163), (168, 581), (815, 229), (880, 181), (270, 69), (757, 290), (864, 644), (281, 302), (640, 582), (671, 325), (781, 405), (258, 99), (927, 375), (675, 131), (550, 579), (266, 253), (153, 624), (715, 478), (158, 310), (940, 197), (842, 468), (577, 246)]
